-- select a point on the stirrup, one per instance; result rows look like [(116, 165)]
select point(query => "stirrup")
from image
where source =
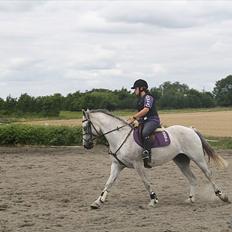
[(146, 154)]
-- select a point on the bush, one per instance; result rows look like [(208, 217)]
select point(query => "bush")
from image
[(40, 135)]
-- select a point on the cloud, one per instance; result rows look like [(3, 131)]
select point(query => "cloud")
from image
[(19, 6), (65, 46), (171, 14), (150, 14)]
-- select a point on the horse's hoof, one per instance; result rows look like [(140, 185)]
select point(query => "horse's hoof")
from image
[(95, 205), (153, 203), (190, 200), (224, 198)]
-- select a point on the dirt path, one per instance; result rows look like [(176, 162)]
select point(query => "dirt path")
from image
[(51, 189)]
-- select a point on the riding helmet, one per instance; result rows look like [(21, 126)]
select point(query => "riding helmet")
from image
[(140, 83)]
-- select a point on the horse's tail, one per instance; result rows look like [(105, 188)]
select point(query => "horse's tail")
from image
[(219, 161)]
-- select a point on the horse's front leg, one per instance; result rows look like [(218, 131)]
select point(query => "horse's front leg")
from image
[(138, 165), (116, 168)]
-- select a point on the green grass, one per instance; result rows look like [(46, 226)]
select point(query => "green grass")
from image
[(171, 111), (220, 142), (122, 113), (24, 118), (70, 114), (194, 110)]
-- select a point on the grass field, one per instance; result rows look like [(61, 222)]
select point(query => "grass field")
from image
[(217, 124), (76, 115), (211, 123)]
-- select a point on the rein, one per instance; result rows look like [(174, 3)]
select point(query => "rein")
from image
[(114, 154)]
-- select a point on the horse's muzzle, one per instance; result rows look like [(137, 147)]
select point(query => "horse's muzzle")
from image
[(89, 146)]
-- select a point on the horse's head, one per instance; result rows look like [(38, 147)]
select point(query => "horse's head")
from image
[(97, 123), (90, 131)]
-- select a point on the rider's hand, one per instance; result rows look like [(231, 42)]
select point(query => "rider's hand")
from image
[(133, 121), (130, 120)]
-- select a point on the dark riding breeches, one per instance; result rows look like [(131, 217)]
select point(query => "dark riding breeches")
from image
[(148, 128)]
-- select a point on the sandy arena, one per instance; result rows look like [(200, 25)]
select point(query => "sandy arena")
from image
[(51, 189)]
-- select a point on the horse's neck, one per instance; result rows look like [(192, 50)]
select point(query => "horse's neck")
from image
[(106, 123)]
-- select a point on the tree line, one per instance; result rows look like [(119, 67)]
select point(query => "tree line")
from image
[(168, 96)]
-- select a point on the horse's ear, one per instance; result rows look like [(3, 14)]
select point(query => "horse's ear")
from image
[(84, 113)]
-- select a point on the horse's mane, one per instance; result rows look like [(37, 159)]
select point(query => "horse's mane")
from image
[(108, 113)]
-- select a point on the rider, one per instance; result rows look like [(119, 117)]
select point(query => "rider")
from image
[(147, 116)]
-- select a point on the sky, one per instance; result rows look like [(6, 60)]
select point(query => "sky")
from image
[(64, 46)]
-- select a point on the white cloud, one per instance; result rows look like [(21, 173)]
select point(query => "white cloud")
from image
[(65, 46), (19, 6)]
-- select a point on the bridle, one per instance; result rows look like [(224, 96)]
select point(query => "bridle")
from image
[(88, 131)]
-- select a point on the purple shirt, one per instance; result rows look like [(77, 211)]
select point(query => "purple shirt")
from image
[(148, 101)]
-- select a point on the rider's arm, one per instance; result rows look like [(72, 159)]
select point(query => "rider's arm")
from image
[(141, 113), (147, 106), (148, 101)]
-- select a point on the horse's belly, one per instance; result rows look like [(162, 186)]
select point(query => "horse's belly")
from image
[(163, 154)]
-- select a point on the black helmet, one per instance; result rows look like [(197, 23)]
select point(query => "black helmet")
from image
[(140, 83)]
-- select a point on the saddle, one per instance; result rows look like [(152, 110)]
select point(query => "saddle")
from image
[(158, 138)]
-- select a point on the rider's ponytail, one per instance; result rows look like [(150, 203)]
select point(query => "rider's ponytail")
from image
[(147, 92)]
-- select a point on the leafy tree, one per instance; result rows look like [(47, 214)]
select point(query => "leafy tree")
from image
[(223, 91), (46, 106), (207, 99), (173, 88), (26, 103), (156, 92), (95, 100), (72, 102), (194, 99), (167, 95), (57, 101), (1, 104), (172, 95), (126, 100), (10, 104)]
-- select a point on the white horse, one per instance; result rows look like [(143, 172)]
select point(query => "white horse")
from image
[(186, 144)]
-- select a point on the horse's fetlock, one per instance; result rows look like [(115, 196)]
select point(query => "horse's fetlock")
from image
[(153, 196), (218, 193), (103, 196)]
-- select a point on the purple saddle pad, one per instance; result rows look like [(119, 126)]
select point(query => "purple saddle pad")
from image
[(158, 139)]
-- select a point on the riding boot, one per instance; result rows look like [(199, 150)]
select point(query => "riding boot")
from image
[(147, 152)]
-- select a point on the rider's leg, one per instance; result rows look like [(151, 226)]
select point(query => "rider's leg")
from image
[(147, 152), (148, 128), (147, 148)]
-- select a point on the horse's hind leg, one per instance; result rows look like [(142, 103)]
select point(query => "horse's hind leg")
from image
[(114, 173), (183, 162), (204, 167)]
